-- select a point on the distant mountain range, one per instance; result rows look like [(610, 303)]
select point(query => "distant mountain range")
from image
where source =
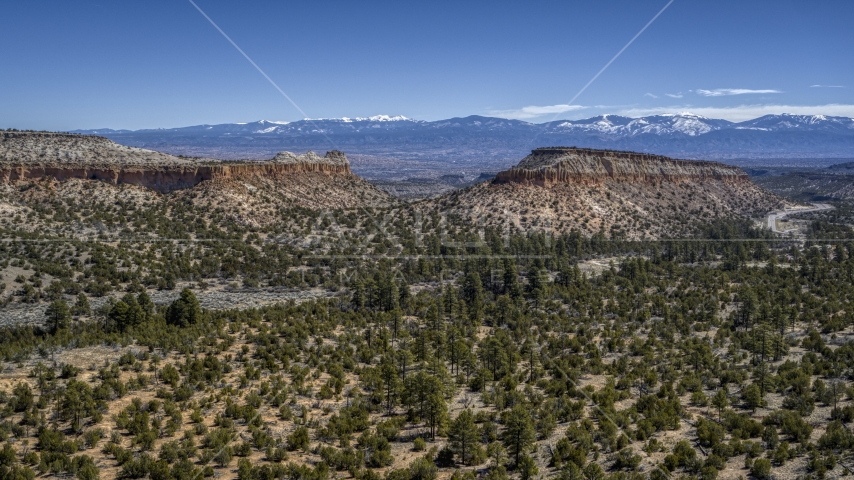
[(495, 142)]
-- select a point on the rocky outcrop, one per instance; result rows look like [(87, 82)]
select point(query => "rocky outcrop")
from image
[(553, 165), (29, 156)]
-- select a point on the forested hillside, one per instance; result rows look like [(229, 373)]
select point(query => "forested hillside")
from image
[(227, 330), (721, 356)]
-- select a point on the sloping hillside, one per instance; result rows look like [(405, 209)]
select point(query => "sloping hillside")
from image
[(619, 193), (818, 185)]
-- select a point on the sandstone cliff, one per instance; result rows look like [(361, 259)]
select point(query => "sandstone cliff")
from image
[(29, 156), (547, 166)]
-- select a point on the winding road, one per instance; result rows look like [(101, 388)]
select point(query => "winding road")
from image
[(774, 216)]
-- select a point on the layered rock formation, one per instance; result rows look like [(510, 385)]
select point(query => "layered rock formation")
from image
[(30, 156), (548, 166)]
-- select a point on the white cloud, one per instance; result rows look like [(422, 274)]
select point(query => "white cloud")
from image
[(741, 113), (674, 95), (720, 92), (827, 86), (534, 111), (650, 95)]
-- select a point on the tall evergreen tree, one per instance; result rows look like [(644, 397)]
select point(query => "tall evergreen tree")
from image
[(185, 310), (472, 294), (519, 432), (464, 435), (436, 411), (511, 279), (127, 312), (358, 299), (81, 306), (388, 373), (57, 316)]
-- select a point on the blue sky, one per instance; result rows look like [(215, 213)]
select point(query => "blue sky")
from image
[(123, 64)]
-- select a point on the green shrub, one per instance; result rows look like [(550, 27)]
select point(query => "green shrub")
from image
[(761, 469), (419, 445)]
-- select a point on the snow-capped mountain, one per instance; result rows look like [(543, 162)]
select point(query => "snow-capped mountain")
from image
[(787, 121), (477, 122), (666, 124), (684, 135), (269, 127), (377, 118), (607, 124)]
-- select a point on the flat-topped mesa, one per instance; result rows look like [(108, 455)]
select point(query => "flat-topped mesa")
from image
[(333, 162), (552, 165), (25, 155), (42, 148)]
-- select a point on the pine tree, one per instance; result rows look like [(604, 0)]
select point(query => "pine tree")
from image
[(752, 397), (388, 372), (146, 304), (780, 322), (511, 280), (720, 400), (81, 306), (536, 285), (185, 310), (527, 468), (472, 294), (519, 433), (464, 435), (449, 302), (436, 411), (404, 359), (405, 300), (57, 316), (358, 298), (747, 307)]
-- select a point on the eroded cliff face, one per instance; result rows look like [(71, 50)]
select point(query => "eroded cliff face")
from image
[(32, 156), (553, 165), (166, 178)]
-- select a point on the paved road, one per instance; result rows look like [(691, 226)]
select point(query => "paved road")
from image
[(774, 216)]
